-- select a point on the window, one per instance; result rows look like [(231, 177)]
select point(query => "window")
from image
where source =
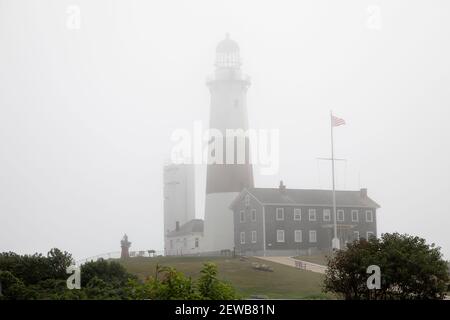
[(326, 215), (196, 242), (184, 242), (280, 235), (242, 237), (171, 244), (369, 216), (312, 236), (356, 235), (253, 236), (280, 214), (312, 214), (340, 215), (298, 214), (298, 236), (247, 200), (253, 214), (354, 215), (242, 216), (370, 235)]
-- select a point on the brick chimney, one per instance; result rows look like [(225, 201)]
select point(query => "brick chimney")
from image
[(282, 187), (363, 193)]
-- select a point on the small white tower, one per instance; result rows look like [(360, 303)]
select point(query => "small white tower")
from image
[(179, 195)]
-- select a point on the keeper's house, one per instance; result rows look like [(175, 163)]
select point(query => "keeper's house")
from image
[(286, 222)]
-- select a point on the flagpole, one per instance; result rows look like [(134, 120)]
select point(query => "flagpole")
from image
[(335, 242)]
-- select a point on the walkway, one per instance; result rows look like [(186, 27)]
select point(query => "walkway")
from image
[(289, 261)]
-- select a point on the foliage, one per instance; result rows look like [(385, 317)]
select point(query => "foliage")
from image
[(211, 288), (170, 284), (44, 277), (25, 277), (410, 269)]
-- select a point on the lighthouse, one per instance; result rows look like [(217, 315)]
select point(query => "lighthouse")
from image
[(228, 111)]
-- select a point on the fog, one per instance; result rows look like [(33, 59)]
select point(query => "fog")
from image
[(86, 114)]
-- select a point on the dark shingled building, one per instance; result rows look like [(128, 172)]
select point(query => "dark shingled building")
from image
[(280, 221)]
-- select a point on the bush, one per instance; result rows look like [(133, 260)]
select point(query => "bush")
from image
[(39, 277), (410, 269)]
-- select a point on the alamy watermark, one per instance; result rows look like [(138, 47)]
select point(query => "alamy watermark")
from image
[(73, 21), (374, 280), (74, 280), (374, 20), (231, 146)]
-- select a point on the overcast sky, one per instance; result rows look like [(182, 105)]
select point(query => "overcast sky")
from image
[(86, 114)]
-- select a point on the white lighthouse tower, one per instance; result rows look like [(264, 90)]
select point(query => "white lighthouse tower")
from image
[(228, 110)]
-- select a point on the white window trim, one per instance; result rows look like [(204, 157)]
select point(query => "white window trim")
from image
[(280, 232), (338, 215), (357, 215), (356, 234), (282, 214), (253, 214), (369, 234), (254, 239), (328, 215), (297, 214), (242, 216), (371, 215), (242, 237), (309, 214), (295, 236), (310, 233)]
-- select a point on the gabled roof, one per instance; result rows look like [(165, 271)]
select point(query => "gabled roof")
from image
[(308, 197), (192, 226)]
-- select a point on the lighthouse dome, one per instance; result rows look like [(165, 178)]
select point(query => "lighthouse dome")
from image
[(227, 53), (227, 45)]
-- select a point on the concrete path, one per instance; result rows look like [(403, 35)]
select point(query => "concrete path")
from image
[(289, 261)]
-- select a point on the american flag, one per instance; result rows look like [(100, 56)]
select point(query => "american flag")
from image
[(335, 121)]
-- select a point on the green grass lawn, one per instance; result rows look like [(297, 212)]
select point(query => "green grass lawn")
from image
[(284, 283), (318, 259)]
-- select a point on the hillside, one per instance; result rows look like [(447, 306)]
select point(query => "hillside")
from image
[(283, 283)]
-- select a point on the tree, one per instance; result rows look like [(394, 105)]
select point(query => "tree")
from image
[(108, 271), (44, 277), (58, 262), (12, 287), (410, 269)]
